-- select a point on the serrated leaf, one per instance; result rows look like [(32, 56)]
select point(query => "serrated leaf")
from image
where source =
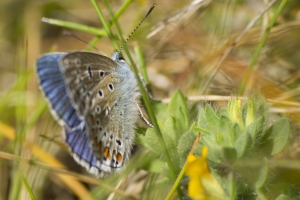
[(235, 133), (212, 155), (251, 130), (194, 111), (243, 145), (160, 110), (225, 123), (150, 141), (229, 153), (141, 130), (169, 130), (211, 118), (208, 140), (265, 148), (171, 139), (178, 100), (261, 110), (263, 174), (279, 132), (184, 114), (261, 126), (201, 121), (197, 129), (179, 110), (185, 144), (222, 112), (167, 172), (276, 137), (153, 165)]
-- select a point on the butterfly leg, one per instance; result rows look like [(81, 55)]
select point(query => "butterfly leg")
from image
[(142, 116)]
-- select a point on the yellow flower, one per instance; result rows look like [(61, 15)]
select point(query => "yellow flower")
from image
[(197, 169)]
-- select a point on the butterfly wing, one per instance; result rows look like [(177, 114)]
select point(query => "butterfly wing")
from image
[(81, 74), (78, 143), (54, 88), (104, 92)]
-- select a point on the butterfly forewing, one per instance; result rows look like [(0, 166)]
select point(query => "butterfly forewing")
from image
[(54, 88), (82, 71)]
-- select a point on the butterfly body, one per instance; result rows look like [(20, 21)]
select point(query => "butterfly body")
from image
[(94, 97)]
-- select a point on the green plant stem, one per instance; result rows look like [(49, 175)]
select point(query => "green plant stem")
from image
[(259, 47), (176, 183), (75, 26), (145, 98), (84, 28), (138, 52), (93, 43), (104, 23), (120, 11), (28, 188), (116, 17)]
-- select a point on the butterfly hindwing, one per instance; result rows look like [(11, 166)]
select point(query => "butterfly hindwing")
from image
[(78, 143)]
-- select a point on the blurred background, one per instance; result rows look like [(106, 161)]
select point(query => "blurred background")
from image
[(183, 53)]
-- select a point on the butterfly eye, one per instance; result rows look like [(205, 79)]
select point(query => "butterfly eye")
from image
[(121, 58)]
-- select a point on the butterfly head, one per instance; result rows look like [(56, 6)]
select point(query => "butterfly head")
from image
[(118, 58)]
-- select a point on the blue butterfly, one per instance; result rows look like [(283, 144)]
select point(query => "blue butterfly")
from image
[(94, 98)]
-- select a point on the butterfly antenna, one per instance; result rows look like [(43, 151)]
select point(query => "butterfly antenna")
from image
[(81, 40), (148, 13)]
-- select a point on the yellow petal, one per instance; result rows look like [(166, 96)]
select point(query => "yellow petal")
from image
[(197, 167), (204, 151), (195, 189)]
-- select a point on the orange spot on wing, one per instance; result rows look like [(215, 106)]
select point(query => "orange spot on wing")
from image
[(106, 153), (119, 158)]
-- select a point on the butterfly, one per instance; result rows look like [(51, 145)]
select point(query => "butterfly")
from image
[(94, 98)]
